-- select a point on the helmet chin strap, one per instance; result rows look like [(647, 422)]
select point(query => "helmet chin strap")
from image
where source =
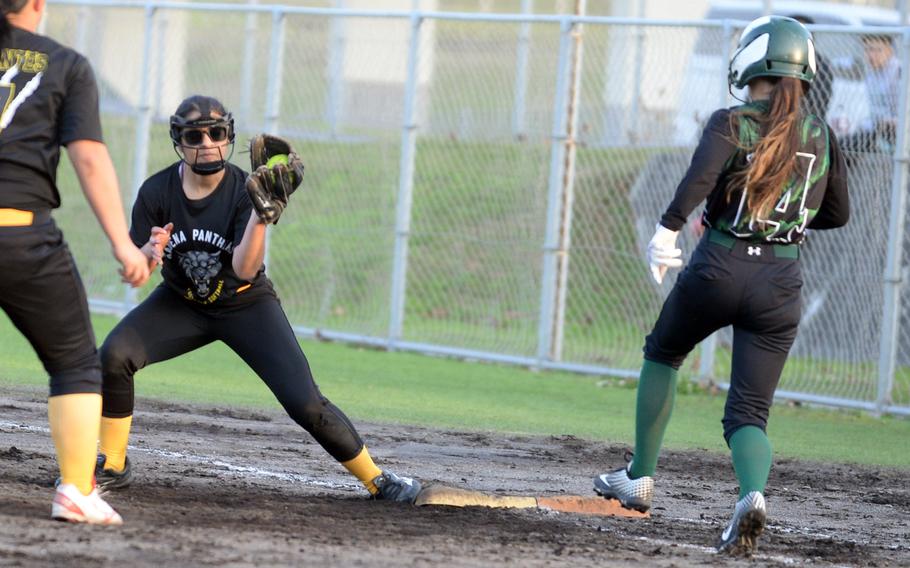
[(208, 168), (732, 94)]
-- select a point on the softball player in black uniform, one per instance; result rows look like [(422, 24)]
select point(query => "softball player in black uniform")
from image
[(769, 171), (48, 99), (197, 218)]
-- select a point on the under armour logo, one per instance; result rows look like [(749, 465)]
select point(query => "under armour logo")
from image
[(753, 251)]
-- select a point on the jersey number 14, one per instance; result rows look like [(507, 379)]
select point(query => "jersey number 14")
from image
[(789, 216)]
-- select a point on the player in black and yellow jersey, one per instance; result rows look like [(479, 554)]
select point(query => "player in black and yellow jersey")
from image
[(196, 218), (769, 171), (49, 99)]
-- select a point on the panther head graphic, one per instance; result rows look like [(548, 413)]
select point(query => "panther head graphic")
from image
[(200, 267)]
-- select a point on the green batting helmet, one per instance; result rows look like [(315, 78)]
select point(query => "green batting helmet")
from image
[(773, 46)]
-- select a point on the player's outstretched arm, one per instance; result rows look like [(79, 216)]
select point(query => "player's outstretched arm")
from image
[(99, 184), (250, 253)]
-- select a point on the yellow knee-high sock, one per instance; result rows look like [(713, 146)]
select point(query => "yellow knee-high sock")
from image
[(364, 469), (75, 421), (115, 434)]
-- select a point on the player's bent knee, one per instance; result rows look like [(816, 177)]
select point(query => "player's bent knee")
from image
[(76, 381), (311, 415), (732, 425), (655, 355), (120, 357)]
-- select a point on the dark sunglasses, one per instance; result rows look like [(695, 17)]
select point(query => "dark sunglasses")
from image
[(195, 136)]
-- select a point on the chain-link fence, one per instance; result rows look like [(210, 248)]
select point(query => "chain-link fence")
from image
[(483, 185)]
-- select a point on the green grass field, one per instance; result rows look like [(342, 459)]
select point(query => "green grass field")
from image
[(442, 393)]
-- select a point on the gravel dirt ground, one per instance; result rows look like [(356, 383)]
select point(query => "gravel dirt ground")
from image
[(232, 487)]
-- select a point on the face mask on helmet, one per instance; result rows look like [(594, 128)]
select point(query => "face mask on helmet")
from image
[(773, 46), (212, 122)]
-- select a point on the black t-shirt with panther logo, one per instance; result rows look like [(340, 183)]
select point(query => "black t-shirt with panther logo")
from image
[(197, 260), (48, 98)]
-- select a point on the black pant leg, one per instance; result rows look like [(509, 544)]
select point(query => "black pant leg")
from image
[(160, 328), (762, 336), (262, 336), (753, 380), (704, 299), (42, 293)]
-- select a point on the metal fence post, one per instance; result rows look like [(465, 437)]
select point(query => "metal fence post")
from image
[(334, 102), (273, 89), (551, 250), (405, 187), (708, 349), (80, 44), (248, 67), (568, 188), (637, 73), (42, 24), (893, 267), (275, 74), (143, 127), (519, 107), (159, 71), (727, 32)]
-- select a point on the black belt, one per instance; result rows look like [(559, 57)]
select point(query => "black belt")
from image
[(752, 249)]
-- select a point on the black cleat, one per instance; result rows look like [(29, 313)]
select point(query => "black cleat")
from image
[(394, 488), (108, 479)]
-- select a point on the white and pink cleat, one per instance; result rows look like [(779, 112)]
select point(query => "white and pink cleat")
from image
[(71, 505)]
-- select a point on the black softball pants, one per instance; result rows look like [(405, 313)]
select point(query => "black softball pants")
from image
[(165, 326), (42, 293), (754, 288)]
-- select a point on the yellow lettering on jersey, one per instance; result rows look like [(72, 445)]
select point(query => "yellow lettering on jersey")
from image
[(216, 294), (29, 61)]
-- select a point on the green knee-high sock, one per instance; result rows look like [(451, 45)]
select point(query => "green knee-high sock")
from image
[(751, 451), (656, 393)]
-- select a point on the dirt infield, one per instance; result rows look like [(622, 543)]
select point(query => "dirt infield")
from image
[(240, 488)]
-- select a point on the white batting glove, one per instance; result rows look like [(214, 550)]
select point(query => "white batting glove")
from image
[(662, 252)]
